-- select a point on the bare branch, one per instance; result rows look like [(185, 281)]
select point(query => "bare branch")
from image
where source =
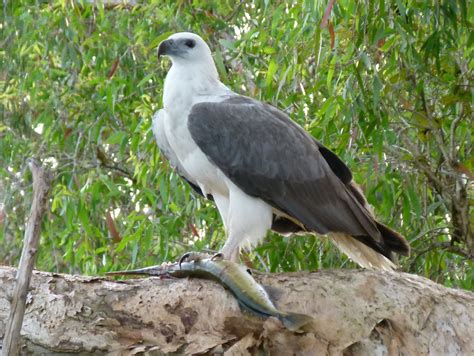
[(437, 131), (452, 135), (424, 166), (41, 185)]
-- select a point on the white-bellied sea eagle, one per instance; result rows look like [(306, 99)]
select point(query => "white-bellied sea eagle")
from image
[(262, 170)]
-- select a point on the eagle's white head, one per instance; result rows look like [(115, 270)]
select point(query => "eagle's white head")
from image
[(193, 72), (188, 50)]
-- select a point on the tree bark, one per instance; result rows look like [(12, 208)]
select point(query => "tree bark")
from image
[(356, 312), (41, 185)]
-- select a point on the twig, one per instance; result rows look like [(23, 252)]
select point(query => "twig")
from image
[(112, 4), (452, 135), (110, 223), (446, 246), (123, 171), (327, 13), (429, 232), (235, 12), (41, 184), (437, 131), (425, 167)]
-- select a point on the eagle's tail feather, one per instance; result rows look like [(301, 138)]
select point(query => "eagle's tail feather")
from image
[(376, 249), (360, 253), (393, 240)]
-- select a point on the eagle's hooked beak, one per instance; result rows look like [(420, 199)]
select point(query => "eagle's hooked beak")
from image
[(166, 47)]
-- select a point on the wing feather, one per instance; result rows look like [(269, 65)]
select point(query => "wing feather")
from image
[(269, 156)]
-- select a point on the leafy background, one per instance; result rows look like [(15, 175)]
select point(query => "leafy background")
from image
[(388, 85)]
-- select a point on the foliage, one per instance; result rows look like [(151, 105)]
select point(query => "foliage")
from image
[(386, 85)]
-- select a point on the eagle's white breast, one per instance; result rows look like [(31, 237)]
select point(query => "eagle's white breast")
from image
[(182, 91)]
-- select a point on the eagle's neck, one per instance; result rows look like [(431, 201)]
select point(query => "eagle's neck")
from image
[(184, 85)]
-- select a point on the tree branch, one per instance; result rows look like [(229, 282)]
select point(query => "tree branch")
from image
[(355, 312), (41, 184)]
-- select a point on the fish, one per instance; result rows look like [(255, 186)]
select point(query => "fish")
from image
[(236, 278)]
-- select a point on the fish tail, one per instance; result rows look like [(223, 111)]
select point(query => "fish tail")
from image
[(294, 321)]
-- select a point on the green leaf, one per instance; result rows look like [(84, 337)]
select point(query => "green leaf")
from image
[(272, 69), (220, 65), (269, 50), (157, 40), (117, 137), (330, 75)]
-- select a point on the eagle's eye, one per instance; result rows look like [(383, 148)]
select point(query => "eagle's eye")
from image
[(190, 43)]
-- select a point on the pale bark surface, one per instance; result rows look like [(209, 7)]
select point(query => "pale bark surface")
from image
[(41, 185), (355, 312)]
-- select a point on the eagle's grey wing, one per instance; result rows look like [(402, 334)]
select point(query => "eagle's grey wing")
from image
[(166, 150), (269, 156)]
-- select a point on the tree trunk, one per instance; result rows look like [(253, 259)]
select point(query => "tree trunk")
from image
[(356, 312)]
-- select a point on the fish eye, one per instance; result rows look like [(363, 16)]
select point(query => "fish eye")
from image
[(190, 43)]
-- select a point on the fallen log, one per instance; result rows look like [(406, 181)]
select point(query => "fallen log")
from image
[(356, 312)]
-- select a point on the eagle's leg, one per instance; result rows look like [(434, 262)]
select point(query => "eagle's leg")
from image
[(231, 251), (247, 221)]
